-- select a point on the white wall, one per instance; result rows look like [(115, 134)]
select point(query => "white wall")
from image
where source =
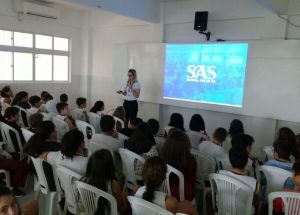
[(68, 25)]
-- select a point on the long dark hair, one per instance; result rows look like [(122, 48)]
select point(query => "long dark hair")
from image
[(236, 127), (176, 120), (176, 150), (19, 96), (197, 123), (287, 134), (154, 173), (98, 106), (99, 172), (43, 131), (141, 139)]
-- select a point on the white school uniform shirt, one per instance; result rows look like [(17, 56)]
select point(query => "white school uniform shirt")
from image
[(114, 143), (129, 95), (77, 163), (210, 148), (159, 197), (78, 114), (4, 106)]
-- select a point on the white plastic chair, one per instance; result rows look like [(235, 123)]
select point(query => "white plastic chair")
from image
[(119, 120), (269, 152), (205, 166), (223, 162), (48, 182), (194, 138), (166, 184), (128, 158), (24, 117), (27, 134), (90, 196), (87, 130), (95, 145), (95, 121), (140, 206), (61, 127), (290, 200), (6, 177), (226, 190), (67, 178), (167, 129), (12, 147), (275, 177)]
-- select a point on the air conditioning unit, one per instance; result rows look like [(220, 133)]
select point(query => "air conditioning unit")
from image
[(33, 8)]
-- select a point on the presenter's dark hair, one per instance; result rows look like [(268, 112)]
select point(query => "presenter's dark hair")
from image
[(236, 127), (132, 71), (154, 173), (197, 123), (98, 106), (107, 123), (176, 120)]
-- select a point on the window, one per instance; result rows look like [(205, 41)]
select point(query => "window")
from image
[(33, 57)]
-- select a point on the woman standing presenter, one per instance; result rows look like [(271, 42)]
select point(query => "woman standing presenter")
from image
[(131, 93)]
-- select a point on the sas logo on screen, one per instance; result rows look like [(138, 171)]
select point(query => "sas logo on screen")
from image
[(201, 73)]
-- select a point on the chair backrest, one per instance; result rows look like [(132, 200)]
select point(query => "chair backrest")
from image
[(27, 134), (95, 145), (290, 200), (24, 117), (118, 120), (61, 127), (87, 129), (140, 206), (226, 189), (128, 158), (90, 196), (275, 177), (269, 152), (223, 163), (46, 176), (205, 166), (167, 129), (194, 138), (67, 178), (166, 184), (13, 146), (95, 121)]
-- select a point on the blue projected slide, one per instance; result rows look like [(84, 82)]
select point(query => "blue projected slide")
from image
[(209, 73)]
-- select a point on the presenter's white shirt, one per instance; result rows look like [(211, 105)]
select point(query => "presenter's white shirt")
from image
[(129, 95), (211, 149)]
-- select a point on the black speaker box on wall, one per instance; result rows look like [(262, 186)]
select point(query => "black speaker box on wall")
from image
[(200, 23)]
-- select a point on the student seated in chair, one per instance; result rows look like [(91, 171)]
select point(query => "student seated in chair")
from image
[(63, 114), (63, 98), (35, 102), (80, 113), (21, 100), (12, 115), (154, 174)]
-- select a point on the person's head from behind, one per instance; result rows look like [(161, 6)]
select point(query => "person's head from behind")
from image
[(8, 203), (154, 173), (44, 93), (35, 101), (98, 107), (72, 143), (63, 98), (81, 102), (296, 173), (47, 130), (46, 97), (107, 124), (35, 120), (243, 140), (285, 133), (134, 123), (21, 96), (141, 139), (12, 114), (219, 135), (62, 109), (176, 120), (238, 157), (197, 123), (120, 113), (236, 127), (7, 91), (176, 149), (154, 124), (282, 150), (132, 76)]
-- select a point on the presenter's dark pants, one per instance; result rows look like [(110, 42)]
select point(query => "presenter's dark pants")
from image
[(131, 109)]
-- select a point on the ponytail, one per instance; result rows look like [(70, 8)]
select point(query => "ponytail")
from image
[(149, 193)]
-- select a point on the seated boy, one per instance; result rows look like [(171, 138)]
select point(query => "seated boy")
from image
[(35, 102), (214, 148), (63, 114), (80, 113)]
